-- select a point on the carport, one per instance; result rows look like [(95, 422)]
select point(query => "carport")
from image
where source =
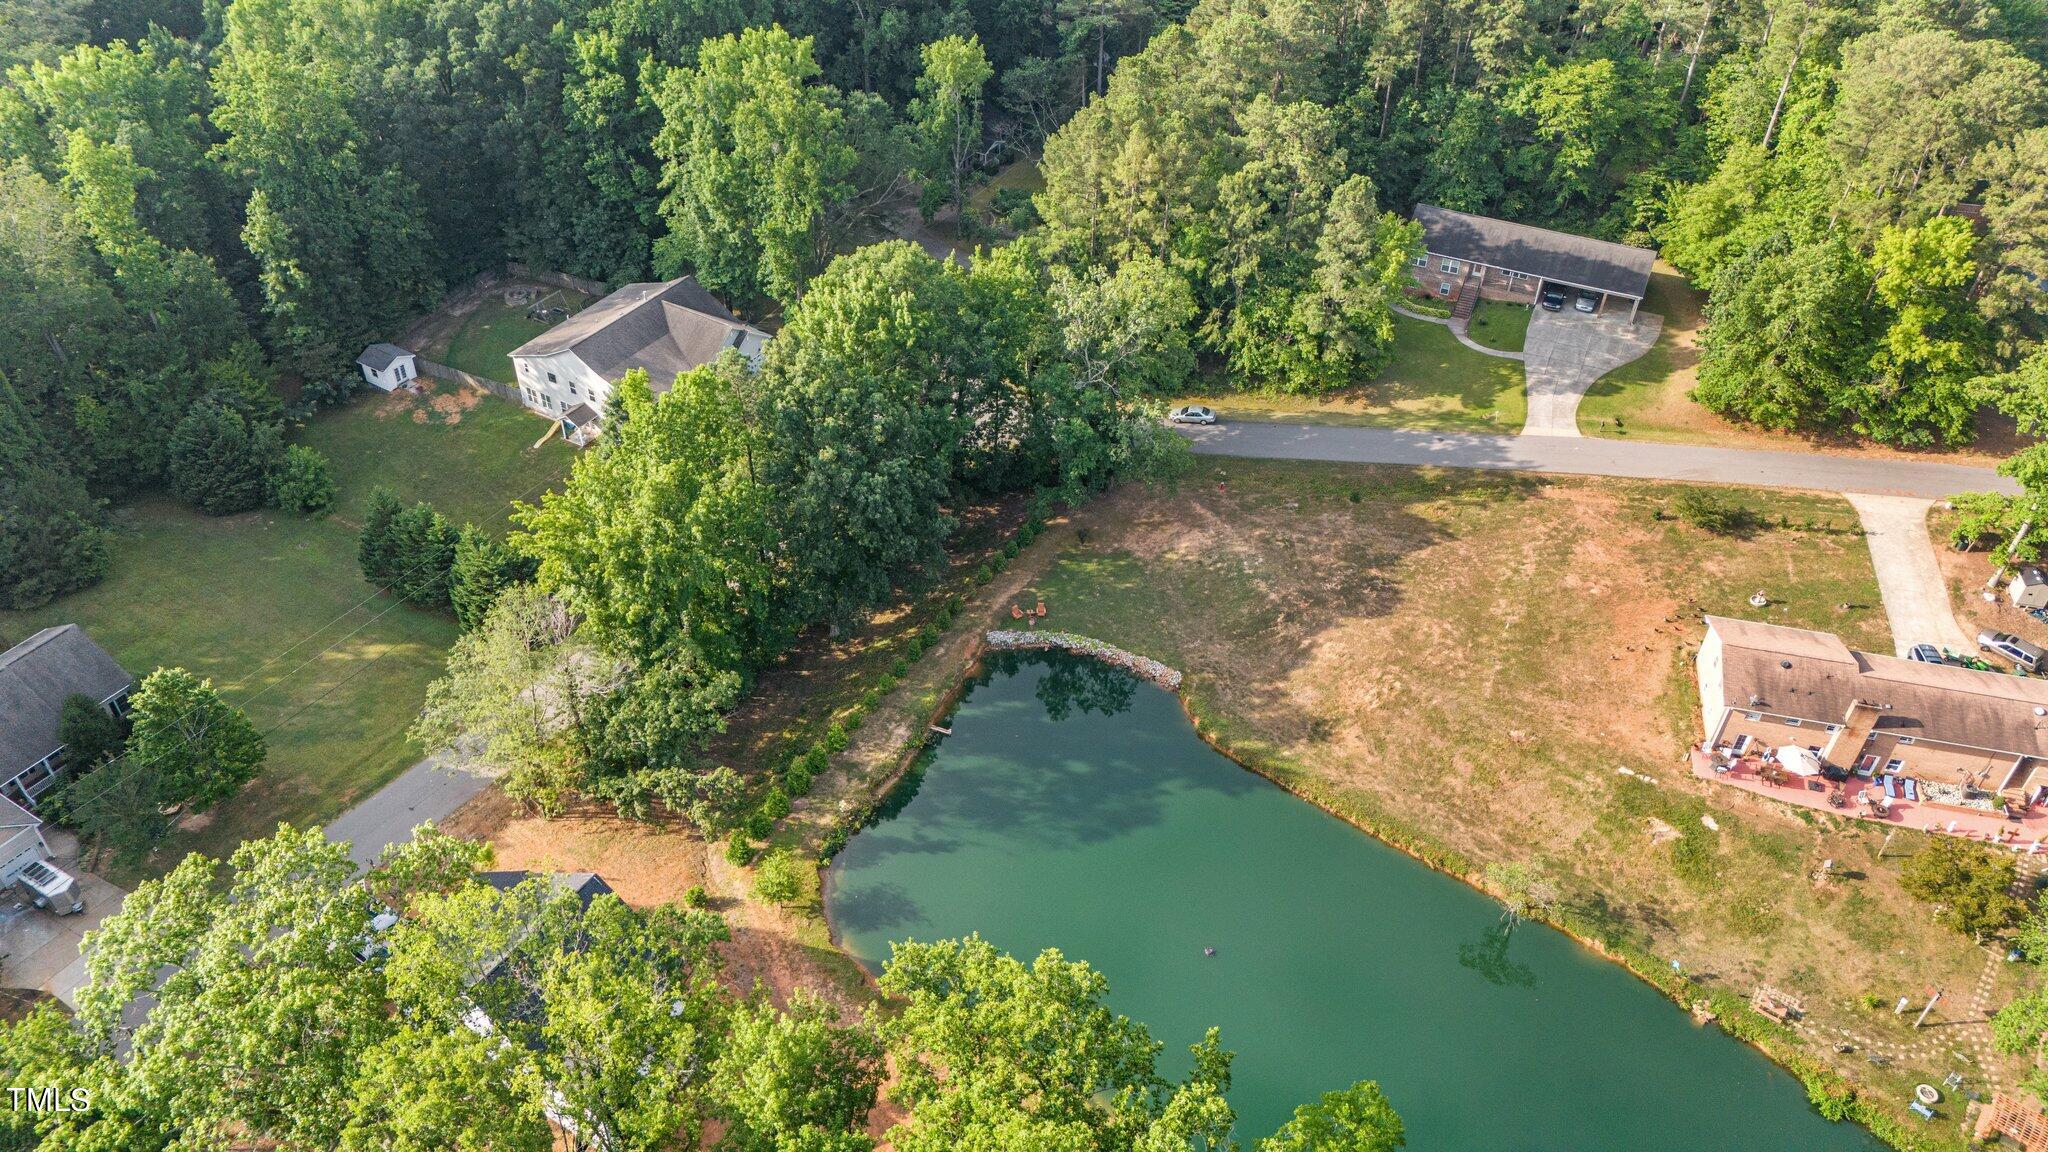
[(1503, 260)]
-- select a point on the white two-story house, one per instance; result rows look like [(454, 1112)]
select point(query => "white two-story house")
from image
[(567, 372)]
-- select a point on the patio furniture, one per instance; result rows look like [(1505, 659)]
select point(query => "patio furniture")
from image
[(1912, 788)]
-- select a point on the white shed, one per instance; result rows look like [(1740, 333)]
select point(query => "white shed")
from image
[(2029, 588), (386, 366)]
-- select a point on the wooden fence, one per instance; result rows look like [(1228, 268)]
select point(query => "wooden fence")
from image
[(591, 288), (495, 388)]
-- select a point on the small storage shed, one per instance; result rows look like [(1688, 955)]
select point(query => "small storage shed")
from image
[(386, 366), (2029, 588)]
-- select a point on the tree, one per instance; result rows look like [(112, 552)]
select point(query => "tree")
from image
[(88, 732), (51, 537), (119, 808), (437, 1090), (260, 1008), (859, 426), (786, 1077), (1791, 334), (1125, 331), (375, 553), (1919, 390), (1357, 1119), (515, 691), (664, 542), (220, 462), (1973, 888), (422, 545), (482, 569), (200, 749), (990, 1052), (752, 157), (304, 482), (779, 878), (947, 113)]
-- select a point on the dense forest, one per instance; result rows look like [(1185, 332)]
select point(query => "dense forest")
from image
[(208, 202)]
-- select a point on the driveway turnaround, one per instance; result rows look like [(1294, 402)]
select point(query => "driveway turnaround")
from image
[(1565, 352), (426, 791), (1915, 596), (1571, 455)]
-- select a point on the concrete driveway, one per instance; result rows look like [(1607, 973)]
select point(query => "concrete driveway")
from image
[(39, 949), (1566, 351), (1916, 599)]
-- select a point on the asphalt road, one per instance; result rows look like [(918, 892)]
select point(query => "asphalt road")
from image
[(426, 791), (1585, 456)]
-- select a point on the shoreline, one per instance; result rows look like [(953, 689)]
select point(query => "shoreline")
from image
[(1731, 1015)]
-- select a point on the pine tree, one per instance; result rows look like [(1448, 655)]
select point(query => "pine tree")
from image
[(423, 550), (220, 462), (374, 545), (483, 568)]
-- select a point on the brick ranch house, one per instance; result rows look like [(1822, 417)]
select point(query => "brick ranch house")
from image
[(567, 372), (1467, 258), (1961, 742)]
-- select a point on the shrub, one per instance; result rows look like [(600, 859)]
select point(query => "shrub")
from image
[(738, 852), (1711, 514), (88, 732), (759, 824), (780, 879), (775, 805), (1973, 887), (982, 575), (219, 462), (1010, 550), (835, 737), (1026, 535), (815, 759), (796, 779), (696, 897), (898, 666), (330, 392), (304, 482), (914, 649)]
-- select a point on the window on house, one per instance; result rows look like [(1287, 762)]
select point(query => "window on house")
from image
[(1449, 265), (1792, 721), (1907, 740), (1443, 288), (551, 378), (1894, 764), (1421, 261), (1834, 727), (572, 388), (1752, 716)]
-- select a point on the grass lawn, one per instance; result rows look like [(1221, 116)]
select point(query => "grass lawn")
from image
[(1464, 662), (1499, 325), (489, 334), (1647, 399), (1433, 382), (274, 610)]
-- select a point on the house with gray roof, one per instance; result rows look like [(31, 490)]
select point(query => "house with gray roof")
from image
[(1480, 257), (36, 677), (669, 328)]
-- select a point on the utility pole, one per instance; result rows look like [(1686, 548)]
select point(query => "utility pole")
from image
[(1931, 1001)]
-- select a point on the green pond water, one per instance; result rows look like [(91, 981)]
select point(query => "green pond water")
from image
[(1074, 807)]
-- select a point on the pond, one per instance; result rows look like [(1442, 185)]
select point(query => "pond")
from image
[(1074, 807)]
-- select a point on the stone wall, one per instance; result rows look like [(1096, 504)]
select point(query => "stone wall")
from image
[(1141, 666)]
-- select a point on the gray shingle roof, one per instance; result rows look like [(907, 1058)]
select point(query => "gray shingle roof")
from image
[(14, 817), (1580, 261), (665, 328), (1814, 676), (378, 357), (35, 677)]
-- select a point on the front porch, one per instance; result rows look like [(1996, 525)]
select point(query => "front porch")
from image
[(1865, 799)]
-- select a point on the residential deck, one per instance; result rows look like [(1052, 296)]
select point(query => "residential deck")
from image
[(2022, 835)]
